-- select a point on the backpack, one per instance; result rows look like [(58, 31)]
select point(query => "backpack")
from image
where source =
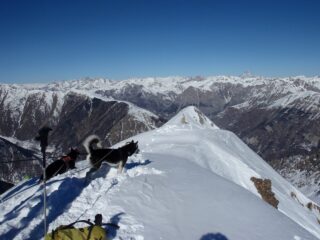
[(69, 232)]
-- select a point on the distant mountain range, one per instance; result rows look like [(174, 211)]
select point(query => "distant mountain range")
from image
[(277, 117)]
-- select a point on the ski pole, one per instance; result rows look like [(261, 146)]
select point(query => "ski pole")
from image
[(43, 138)]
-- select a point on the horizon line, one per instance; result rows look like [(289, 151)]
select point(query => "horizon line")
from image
[(243, 75)]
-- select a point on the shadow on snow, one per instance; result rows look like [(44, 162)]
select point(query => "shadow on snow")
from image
[(136, 164), (68, 191), (213, 236), (112, 232), (16, 190)]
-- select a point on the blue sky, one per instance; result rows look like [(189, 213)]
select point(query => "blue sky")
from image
[(48, 40)]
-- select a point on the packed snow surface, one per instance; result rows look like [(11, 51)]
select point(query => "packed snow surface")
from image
[(190, 180)]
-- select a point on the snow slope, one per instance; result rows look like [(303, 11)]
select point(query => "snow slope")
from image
[(190, 180)]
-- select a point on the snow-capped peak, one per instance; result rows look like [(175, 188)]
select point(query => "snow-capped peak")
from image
[(190, 118)]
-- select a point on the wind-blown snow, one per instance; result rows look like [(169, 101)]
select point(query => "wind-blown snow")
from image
[(190, 180)]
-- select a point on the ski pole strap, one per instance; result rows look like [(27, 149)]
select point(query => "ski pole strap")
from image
[(89, 223), (83, 221)]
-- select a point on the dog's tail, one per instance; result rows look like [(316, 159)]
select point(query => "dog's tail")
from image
[(90, 141)]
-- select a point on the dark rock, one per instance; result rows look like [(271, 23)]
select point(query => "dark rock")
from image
[(4, 186), (264, 188)]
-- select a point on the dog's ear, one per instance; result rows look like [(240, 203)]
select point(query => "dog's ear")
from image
[(75, 149)]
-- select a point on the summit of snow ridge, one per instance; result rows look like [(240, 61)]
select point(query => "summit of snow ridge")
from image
[(191, 117)]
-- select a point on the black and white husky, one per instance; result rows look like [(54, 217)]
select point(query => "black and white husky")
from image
[(115, 157)]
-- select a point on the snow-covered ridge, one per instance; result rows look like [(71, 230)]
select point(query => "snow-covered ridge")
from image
[(306, 101), (139, 114), (224, 154), (189, 118), (311, 97), (32, 145), (187, 183)]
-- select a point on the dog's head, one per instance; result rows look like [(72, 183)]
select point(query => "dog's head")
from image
[(132, 148), (74, 153)]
